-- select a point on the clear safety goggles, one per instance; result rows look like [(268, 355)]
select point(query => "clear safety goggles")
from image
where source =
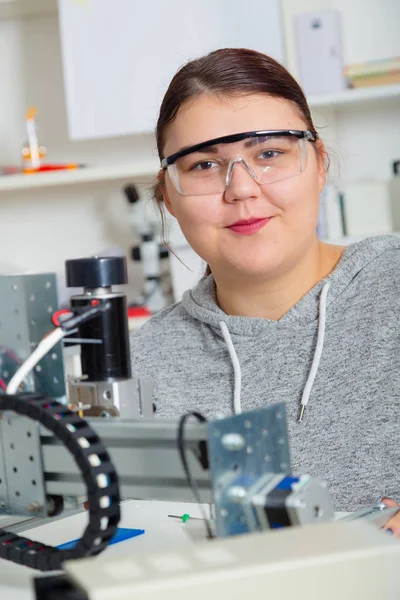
[(268, 156)]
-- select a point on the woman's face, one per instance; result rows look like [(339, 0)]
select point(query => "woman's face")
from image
[(288, 208)]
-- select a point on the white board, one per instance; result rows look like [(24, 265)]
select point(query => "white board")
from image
[(120, 55)]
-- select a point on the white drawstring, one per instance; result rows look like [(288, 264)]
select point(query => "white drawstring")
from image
[(314, 367), (318, 351), (237, 406)]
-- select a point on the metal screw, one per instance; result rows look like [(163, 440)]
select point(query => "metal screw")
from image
[(78, 407), (248, 424), (34, 507), (107, 395), (237, 494), (249, 450), (318, 512), (219, 417), (299, 503), (47, 285), (264, 432), (233, 442)]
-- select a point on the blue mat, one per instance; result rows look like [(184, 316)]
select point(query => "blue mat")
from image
[(122, 534)]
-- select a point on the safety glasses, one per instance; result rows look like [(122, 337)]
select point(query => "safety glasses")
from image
[(268, 156)]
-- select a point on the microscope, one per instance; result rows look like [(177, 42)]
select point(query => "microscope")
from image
[(150, 251)]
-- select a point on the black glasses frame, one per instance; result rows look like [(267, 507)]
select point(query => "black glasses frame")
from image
[(237, 137)]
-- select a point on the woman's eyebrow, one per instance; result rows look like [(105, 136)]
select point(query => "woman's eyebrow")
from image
[(206, 150), (256, 140)]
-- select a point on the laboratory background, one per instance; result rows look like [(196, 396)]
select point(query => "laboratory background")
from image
[(89, 97), (81, 82)]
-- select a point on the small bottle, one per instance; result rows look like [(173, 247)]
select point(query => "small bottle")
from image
[(32, 153)]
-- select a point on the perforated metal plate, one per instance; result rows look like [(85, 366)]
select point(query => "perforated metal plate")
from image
[(23, 492), (3, 481), (241, 449), (27, 303)]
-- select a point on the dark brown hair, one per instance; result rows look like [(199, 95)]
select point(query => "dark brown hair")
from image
[(227, 72)]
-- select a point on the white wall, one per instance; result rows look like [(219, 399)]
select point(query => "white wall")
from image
[(42, 228), (370, 28), (363, 139)]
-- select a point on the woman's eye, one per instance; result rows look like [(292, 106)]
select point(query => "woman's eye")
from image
[(269, 154), (205, 165)]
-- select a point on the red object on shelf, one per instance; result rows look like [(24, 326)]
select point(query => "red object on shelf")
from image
[(138, 312), (55, 167)]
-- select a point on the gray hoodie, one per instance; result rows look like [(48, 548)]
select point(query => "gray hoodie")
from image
[(337, 351)]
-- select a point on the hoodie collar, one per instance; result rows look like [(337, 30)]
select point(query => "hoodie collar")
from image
[(201, 302)]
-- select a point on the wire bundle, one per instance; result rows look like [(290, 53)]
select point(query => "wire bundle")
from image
[(48, 342)]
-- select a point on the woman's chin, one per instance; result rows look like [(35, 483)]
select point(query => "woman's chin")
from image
[(253, 266)]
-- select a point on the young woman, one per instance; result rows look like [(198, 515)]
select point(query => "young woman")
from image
[(281, 316)]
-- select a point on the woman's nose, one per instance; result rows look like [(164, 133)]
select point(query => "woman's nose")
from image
[(241, 184)]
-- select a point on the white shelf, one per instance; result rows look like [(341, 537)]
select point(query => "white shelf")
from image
[(137, 173), (13, 9), (370, 95)]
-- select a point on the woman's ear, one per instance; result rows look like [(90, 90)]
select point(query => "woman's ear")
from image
[(322, 160), (164, 193)]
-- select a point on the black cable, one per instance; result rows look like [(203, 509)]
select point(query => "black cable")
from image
[(84, 316), (191, 481), (101, 484)]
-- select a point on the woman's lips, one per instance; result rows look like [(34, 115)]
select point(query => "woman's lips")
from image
[(249, 227)]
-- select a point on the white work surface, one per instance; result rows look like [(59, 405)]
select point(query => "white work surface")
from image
[(161, 533)]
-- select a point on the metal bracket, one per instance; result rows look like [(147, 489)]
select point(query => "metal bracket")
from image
[(22, 488), (27, 303), (241, 449), (126, 398), (3, 481)]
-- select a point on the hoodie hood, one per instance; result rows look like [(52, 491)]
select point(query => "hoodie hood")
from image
[(201, 304)]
